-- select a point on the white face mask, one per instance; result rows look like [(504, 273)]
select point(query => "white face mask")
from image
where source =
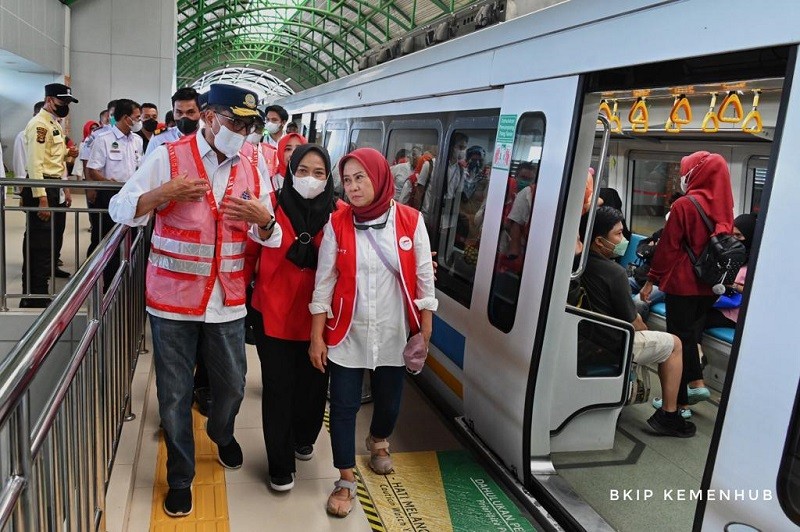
[(461, 155), (254, 138), (684, 184), (272, 127), (136, 126), (226, 141), (309, 187)]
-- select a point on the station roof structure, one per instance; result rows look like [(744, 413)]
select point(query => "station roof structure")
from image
[(301, 42)]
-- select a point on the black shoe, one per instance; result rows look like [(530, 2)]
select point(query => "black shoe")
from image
[(178, 502), (202, 396), (249, 336), (281, 482), (230, 456), (59, 262), (61, 274), (35, 303), (671, 424), (303, 452)]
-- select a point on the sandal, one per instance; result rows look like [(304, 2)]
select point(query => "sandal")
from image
[(381, 464), (341, 507)]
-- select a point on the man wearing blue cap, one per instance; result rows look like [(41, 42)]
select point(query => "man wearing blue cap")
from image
[(206, 200)]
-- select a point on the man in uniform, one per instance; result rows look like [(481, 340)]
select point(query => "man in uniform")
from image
[(197, 272), (186, 113), (47, 152), (149, 123)]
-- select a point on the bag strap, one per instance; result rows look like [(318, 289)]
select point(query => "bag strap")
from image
[(392, 269), (703, 214)]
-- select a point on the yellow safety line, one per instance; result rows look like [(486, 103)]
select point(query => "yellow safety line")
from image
[(209, 493), (362, 493)]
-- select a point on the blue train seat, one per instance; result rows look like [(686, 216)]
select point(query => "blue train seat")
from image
[(630, 254), (659, 308), (724, 334)]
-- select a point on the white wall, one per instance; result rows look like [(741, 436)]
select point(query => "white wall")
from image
[(121, 49), (34, 30)]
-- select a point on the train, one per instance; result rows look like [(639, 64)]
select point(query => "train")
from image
[(626, 88)]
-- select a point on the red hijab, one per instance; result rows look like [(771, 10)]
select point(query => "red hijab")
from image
[(377, 168), (710, 184), (282, 146), (87, 128)]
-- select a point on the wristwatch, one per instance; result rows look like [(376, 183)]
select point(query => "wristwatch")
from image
[(268, 226)]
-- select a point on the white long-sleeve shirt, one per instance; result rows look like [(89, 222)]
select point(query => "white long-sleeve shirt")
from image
[(380, 327), (20, 156), (154, 172)]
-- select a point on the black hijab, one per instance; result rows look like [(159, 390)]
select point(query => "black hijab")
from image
[(307, 216), (611, 199), (746, 223)]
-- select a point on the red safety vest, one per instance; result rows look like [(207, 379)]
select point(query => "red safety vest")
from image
[(193, 246), (269, 153), (344, 293)]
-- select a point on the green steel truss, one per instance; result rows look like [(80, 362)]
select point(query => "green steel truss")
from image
[(309, 41)]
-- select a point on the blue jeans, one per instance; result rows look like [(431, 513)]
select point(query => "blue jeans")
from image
[(345, 390), (175, 346)]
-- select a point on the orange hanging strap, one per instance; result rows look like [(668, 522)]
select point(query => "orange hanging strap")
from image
[(612, 116), (711, 122), (753, 116), (672, 127), (638, 116), (731, 99), (681, 105)]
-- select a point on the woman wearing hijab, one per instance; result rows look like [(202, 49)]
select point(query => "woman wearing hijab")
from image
[(705, 177), (286, 146), (744, 227), (374, 286), (293, 401), (610, 197)]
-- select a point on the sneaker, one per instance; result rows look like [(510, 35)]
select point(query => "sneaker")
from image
[(178, 502), (230, 456), (685, 412), (281, 482), (671, 424), (697, 395), (202, 396), (304, 452)]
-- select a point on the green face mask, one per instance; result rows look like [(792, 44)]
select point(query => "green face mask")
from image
[(619, 248)]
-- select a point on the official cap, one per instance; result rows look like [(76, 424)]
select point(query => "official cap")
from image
[(60, 91), (241, 102)]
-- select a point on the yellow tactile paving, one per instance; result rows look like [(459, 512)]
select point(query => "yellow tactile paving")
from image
[(210, 497)]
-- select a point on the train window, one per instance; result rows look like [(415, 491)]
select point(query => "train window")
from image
[(789, 471), (366, 138), (411, 152), (516, 220), (757, 175), (655, 178), (462, 204), (335, 143)]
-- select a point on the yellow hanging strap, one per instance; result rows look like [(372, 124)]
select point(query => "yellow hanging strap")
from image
[(638, 116), (672, 126), (753, 116), (732, 99), (711, 122), (681, 105), (612, 116)]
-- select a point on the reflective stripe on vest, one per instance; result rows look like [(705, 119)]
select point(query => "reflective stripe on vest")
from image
[(230, 249), (231, 265), (181, 265), (170, 245)]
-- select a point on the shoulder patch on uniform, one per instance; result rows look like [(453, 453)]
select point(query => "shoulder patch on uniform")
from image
[(41, 134)]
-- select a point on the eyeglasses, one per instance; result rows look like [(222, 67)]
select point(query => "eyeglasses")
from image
[(240, 124)]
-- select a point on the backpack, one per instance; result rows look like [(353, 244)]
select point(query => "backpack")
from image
[(722, 257)]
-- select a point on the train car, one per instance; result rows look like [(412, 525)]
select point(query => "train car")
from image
[(627, 88)]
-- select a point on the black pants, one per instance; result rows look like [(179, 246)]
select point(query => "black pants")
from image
[(101, 226), (715, 318), (293, 401), (37, 246), (686, 319)]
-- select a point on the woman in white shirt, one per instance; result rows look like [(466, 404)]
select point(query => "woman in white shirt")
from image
[(374, 285)]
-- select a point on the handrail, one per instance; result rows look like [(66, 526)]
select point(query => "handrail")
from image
[(62, 183), (595, 194)]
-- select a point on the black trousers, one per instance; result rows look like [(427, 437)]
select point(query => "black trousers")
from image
[(715, 318), (100, 230), (37, 246), (686, 319), (293, 401)]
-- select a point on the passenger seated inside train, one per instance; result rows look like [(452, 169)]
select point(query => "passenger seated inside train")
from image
[(517, 224), (725, 312), (606, 287)]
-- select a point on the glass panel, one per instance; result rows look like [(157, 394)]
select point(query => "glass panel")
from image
[(335, 144), (366, 138), (601, 350), (654, 180), (463, 202), (411, 153), (757, 171), (516, 220)]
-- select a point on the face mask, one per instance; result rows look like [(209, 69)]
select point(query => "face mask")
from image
[(112, 121), (620, 248), (254, 138), (684, 184), (522, 184), (136, 126), (150, 125), (309, 187), (272, 127), (461, 155), (187, 126), (61, 110), (226, 141)]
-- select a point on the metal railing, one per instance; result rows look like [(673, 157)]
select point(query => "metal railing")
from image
[(74, 211), (59, 463)]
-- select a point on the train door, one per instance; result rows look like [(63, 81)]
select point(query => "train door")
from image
[(532, 143)]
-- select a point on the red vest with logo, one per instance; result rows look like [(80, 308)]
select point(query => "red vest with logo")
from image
[(344, 294), (193, 245), (268, 152)]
